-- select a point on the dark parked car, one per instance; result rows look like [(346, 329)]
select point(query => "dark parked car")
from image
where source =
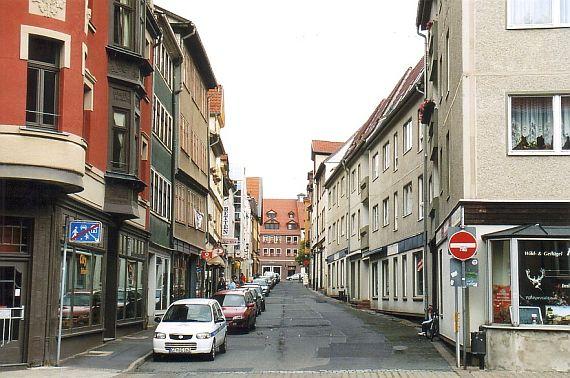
[(259, 291), (264, 283), (256, 296), (238, 307)]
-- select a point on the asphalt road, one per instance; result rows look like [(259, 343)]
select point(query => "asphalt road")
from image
[(304, 331)]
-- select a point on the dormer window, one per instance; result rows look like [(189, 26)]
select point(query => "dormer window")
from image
[(291, 215), (292, 225), (271, 225), (271, 214)]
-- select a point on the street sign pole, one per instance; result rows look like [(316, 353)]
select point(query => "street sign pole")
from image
[(464, 312), (62, 291), (456, 326)]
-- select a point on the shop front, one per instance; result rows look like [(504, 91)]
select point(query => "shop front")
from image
[(529, 298), (159, 291)]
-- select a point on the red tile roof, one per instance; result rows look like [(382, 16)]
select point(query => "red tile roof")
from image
[(282, 208), (325, 147)]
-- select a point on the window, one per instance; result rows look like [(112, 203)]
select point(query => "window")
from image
[(83, 289), (164, 65), (396, 210), (130, 295), (342, 226), (292, 226), (288, 252), (277, 251), (160, 195), (408, 199), (386, 154), (194, 84), (420, 135), (162, 124), (395, 277), (420, 198), (180, 203), (375, 280), (542, 284), (408, 136), (385, 279), (42, 83), (395, 152), (288, 239), (447, 63), (123, 19), (265, 252), (353, 224), (419, 274), (528, 13), (342, 186), (162, 279), (295, 240), (271, 226), (295, 251), (180, 282), (539, 123), (359, 223), (375, 165), (358, 177), (271, 251), (291, 215), (375, 219), (431, 191), (404, 276), (385, 214), (353, 182), (120, 140)]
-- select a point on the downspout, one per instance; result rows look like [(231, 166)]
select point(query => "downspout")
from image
[(348, 232), (425, 188)]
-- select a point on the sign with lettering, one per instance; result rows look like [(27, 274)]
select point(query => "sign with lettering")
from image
[(226, 222), (462, 245)]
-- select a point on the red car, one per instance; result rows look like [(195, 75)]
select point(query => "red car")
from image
[(238, 307)]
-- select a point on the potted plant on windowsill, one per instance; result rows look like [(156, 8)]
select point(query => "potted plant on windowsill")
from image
[(426, 110)]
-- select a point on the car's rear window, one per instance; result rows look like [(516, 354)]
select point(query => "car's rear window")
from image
[(260, 281), (188, 313), (230, 300)]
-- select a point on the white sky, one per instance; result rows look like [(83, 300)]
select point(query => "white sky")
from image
[(299, 70)]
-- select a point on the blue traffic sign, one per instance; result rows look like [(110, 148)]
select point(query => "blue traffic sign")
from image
[(81, 231)]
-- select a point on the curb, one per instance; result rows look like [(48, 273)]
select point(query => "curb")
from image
[(138, 362)]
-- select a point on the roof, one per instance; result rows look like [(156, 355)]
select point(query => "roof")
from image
[(195, 301), (325, 147), (282, 208), (533, 231)]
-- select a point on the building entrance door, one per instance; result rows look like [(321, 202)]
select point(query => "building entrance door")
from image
[(13, 290), (277, 269)]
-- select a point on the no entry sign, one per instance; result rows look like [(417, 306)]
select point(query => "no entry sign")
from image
[(462, 245)]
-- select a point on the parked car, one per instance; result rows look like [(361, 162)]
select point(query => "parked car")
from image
[(264, 283), (256, 296), (259, 291), (191, 326), (271, 277), (296, 276), (238, 307)]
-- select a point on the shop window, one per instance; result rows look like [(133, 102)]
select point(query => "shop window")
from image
[(83, 289), (162, 295), (42, 83), (385, 279), (501, 281), (375, 280), (15, 235), (180, 284), (130, 290)]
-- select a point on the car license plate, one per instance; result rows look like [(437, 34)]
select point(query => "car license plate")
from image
[(179, 350)]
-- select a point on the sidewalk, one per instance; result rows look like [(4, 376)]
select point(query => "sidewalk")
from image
[(108, 360)]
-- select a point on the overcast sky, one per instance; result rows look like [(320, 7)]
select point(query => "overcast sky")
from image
[(299, 70)]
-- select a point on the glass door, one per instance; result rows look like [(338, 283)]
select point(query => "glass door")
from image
[(12, 311)]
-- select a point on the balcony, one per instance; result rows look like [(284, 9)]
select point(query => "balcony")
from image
[(364, 190), (48, 157), (364, 236)]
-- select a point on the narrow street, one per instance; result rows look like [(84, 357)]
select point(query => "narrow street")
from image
[(303, 331)]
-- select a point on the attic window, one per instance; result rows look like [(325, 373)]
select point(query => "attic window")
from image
[(271, 225), (271, 214), (292, 225), (291, 215)]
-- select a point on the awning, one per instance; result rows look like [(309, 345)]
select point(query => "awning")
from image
[(531, 231), (216, 261)]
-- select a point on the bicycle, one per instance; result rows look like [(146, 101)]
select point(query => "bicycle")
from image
[(432, 330)]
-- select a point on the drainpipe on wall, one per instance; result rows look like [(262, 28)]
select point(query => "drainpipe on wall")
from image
[(425, 182)]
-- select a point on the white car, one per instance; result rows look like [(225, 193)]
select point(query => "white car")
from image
[(296, 276), (191, 326)]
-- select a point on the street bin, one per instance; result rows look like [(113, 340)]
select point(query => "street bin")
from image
[(479, 346)]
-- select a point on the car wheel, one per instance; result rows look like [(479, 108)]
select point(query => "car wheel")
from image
[(224, 346), (212, 354)]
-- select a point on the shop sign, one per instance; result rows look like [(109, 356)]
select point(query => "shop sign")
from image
[(206, 255), (462, 245), (218, 252), (5, 313), (226, 221), (83, 261), (230, 241)]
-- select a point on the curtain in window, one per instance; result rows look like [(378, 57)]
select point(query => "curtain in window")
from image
[(531, 123), (530, 12), (565, 11), (566, 122)]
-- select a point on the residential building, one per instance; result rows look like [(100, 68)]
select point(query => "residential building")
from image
[(167, 63), (498, 142), (255, 194), (191, 162), (316, 192), (280, 236), (75, 140)]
